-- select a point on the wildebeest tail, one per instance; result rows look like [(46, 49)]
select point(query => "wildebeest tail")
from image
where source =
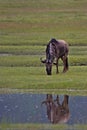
[(67, 66)]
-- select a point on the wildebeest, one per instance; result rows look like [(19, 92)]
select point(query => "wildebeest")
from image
[(55, 50), (57, 112)]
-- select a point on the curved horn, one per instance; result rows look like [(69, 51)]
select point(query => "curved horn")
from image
[(43, 61), (55, 63), (44, 102)]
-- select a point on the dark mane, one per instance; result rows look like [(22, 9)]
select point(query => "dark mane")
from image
[(48, 53), (47, 49), (53, 40)]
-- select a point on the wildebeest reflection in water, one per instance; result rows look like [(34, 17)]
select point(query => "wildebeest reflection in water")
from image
[(56, 112)]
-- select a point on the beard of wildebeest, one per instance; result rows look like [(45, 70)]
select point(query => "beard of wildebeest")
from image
[(49, 68)]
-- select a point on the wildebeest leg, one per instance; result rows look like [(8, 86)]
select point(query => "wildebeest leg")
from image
[(64, 59), (49, 99), (65, 103), (57, 100), (66, 63), (57, 71)]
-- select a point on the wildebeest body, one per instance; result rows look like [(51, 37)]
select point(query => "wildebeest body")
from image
[(56, 49), (59, 49)]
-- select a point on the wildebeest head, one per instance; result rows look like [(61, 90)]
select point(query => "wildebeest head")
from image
[(48, 64), (49, 58)]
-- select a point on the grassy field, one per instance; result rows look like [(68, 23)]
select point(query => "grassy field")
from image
[(25, 29), (36, 22), (35, 78), (26, 26), (42, 127), (30, 55)]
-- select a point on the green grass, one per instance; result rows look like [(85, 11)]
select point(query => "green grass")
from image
[(36, 78), (26, 26), (35, 22), (23, 50), (39, 50), (30, 55), (42, 127), (25, 29)]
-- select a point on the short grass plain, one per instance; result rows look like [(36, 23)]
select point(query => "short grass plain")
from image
[(25, 29), (26, 26)]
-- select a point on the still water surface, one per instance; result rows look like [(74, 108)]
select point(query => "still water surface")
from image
[(28, 108)]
